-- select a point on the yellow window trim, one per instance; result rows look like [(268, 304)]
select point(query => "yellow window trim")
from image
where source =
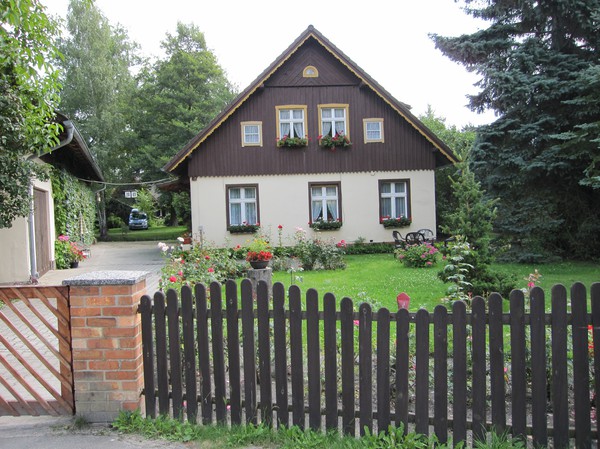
[(373, 120), (336, 106), (260, 139), (292, 106), (306, 73)]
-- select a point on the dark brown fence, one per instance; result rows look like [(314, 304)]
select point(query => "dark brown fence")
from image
[(502, 364)]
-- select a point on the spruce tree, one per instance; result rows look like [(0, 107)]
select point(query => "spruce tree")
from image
[(539, 67)]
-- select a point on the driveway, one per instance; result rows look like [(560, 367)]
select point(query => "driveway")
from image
[(110, 256)]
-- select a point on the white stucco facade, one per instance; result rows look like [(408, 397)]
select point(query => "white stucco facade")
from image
[(15, 266), (284, 200)]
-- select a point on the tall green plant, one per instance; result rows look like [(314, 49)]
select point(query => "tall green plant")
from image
[(145, 202), (539, 64), (28, 98), (74, 207), (473, 220)]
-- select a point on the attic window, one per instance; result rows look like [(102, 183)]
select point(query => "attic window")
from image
[(310, 72)]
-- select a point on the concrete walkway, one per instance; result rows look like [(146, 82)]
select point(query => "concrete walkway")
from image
[(111, 256), (44, 432)]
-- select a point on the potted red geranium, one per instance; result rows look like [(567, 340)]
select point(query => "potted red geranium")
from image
[(259, 253)]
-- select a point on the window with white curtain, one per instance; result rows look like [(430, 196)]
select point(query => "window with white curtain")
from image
[(325, 202), (291, 121), (252, 134), (242, 205), (333, 119), (373, 129), (394, 199)]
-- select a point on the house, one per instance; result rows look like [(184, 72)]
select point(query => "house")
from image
[(28, 245), (263, 159)]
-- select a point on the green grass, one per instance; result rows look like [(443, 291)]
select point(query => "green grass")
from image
[(155, 233), (379, 278), (374, 278), (293, 438)]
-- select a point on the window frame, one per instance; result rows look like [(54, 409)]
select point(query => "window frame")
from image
[(228, 187), (406, 181), (345, 107), (306, 73), (337, 185), (260, 139), (291, 107), (366, 121)]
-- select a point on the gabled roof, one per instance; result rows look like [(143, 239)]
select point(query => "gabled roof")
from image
[(401, 108)]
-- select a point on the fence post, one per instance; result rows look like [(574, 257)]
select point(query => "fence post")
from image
[(107, 342)]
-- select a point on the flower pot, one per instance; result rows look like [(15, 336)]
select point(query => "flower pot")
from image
[(74, 264), (259, 264)]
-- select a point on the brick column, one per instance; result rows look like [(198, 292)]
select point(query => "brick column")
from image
[(107, 342)]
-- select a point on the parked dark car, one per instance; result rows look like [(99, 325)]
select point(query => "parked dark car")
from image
[(138, 220)]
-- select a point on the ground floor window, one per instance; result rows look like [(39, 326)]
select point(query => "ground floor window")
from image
[(242, 205), (394, 199), (325, 202)]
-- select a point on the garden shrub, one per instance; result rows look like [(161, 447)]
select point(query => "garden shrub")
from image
[(202, 264), (361, 247), (318, 254), (422, 255)]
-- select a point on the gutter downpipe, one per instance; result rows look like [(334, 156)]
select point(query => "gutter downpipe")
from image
[(34, 276)]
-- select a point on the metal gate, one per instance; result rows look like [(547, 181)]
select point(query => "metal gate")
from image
[(36, 368)]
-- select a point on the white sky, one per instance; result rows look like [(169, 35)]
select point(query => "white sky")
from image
[(387, 39)]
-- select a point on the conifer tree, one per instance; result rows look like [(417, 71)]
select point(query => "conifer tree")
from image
[(540, 70)]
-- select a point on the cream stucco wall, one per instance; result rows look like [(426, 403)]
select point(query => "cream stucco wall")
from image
[(15, 265), (284, 200)]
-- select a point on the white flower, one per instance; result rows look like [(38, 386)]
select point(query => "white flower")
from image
[(180, 239)]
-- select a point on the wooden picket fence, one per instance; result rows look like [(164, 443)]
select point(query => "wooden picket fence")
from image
[(527, 372)]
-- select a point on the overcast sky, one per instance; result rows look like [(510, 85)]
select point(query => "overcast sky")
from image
[(387, 39)]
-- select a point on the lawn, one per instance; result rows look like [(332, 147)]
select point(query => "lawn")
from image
[(154, 233), (379, 278)]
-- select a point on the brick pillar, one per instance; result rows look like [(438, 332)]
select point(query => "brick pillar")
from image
[(107, 342)]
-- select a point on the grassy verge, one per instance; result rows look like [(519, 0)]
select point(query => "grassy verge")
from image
[(155, 233), (264, 437)]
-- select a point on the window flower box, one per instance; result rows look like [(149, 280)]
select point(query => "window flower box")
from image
[(399, 222), (340, 140), (322, 225), (244, 228), (292, 142)]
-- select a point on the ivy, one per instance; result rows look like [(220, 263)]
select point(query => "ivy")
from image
[(74, 207)]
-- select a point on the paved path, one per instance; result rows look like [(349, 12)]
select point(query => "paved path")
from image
[(128, 256), (46, 432), (136, 256)]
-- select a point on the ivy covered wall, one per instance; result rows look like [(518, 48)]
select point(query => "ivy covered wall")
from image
[(74, 207)]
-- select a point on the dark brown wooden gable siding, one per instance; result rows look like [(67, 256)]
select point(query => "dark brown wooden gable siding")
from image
[(312, 53), (222, 154)]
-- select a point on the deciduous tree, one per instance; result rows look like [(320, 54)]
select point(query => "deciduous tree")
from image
[(28, 97)]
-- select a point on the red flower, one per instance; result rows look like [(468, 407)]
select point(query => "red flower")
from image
[(173, 278), (211, 270), (279, 227), (207, 257)]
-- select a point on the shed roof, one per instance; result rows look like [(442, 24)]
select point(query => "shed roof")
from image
[(73, 154), (175, 164)]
